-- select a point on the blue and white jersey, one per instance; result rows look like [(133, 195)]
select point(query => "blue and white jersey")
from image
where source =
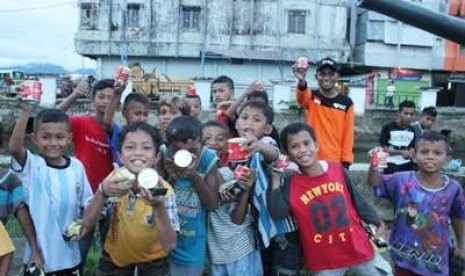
[(56, 196)]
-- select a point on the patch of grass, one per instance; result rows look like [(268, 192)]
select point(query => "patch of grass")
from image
[(93, 256), (14, 228)]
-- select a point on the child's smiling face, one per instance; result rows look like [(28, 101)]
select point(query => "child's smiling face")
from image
[(302, 149), (138, 151), (215, 138), (252, 121)]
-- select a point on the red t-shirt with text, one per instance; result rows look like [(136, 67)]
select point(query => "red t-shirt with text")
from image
[(91, 147), (330, 229)]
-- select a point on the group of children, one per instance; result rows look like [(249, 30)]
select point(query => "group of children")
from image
[(281, 220)]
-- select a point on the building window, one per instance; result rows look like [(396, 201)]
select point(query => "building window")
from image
[(88, 16), (134, 15), (190, 16), (296, 20)]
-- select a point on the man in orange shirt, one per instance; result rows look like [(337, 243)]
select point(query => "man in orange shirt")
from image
[(329, 113)]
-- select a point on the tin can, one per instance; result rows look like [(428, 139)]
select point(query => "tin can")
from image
[(122, 74), (379, 159), (302, 62), (183, 158), (240, 171), (235, 151), (31, 91), (282, 163)]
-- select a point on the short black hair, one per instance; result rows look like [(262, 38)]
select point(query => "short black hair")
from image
[(136, 97), (292, 129), (102, 84), (434, 136), (194, 97), (175, 102), (258, 95), (183, 128), (51, 115), (406, 104), (267, 110), (217, 124), (429, 110), (144, 127), (225, 79)]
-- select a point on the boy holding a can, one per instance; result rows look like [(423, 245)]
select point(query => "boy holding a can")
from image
[(232, 244), (425, 203), (326, 206), (193, 171), (56, 186), (135, 109), (278, 237), (143, 225)]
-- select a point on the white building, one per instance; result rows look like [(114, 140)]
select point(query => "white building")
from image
[(245, 39)]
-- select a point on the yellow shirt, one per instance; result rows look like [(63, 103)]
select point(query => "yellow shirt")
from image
[(6, 246), (132, 236)]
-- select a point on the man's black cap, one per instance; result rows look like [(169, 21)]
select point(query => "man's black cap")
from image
[(327, 62)]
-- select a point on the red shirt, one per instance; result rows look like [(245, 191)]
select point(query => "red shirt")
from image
[(91, 147), (330, 229)]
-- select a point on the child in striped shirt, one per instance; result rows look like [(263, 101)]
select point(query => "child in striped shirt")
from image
[(232, 244)]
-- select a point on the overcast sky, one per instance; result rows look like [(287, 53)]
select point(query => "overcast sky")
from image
[(39, 31)]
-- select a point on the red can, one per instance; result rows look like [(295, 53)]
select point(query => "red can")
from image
[(282, 162), (240, 171), (235, 151), (31, 91), (302, 62), (122, 74)]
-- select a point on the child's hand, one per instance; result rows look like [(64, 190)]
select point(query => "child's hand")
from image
[(189, 172), (380, 230), (252, 145), (24, 105), (224, 105), (119, 88), (246, 177), (226, 196), (36, 259), (82, 88), (155, 201), (112, 185), (255, 86)]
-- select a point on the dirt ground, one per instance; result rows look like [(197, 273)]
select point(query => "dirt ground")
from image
[(17, 265)]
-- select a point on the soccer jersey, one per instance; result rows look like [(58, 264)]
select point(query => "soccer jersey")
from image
[(333, 122), (132, 237), (420, 235), (92, 148), (56, 196)]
